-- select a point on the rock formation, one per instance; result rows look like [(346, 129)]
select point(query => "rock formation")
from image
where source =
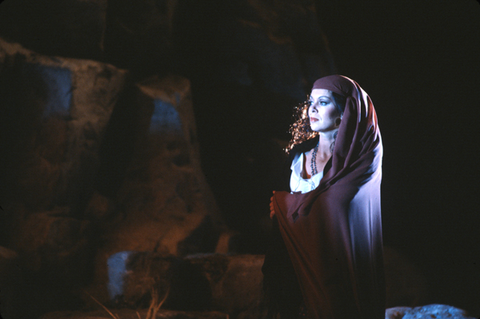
[(82, 181)]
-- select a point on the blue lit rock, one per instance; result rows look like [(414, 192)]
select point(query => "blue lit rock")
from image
[(117, 269), (427, 312)]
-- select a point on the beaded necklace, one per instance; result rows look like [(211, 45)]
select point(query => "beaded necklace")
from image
[(313, 162)]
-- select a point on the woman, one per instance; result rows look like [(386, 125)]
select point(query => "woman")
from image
[(326, 259)]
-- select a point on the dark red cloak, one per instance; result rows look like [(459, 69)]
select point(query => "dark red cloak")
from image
[(333, 234)]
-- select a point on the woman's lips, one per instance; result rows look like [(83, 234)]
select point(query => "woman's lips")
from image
[(313, 119)]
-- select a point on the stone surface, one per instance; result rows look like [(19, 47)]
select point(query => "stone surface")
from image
[(70, 28), (426, 312), (55, 113), (100, 207), (396, 312), (135, 314), (230, 284), (57, 247), (164, 199)]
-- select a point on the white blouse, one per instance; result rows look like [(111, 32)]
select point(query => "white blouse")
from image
[(299, 184)]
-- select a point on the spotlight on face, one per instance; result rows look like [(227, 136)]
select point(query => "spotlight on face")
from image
[(322, 111)]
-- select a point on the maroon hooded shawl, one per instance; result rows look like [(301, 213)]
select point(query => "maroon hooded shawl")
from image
[(333, 234)]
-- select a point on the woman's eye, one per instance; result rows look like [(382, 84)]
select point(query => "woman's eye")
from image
[(323, 103)]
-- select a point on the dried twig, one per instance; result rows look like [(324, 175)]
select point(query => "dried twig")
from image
[(155, 305), (106, 309)]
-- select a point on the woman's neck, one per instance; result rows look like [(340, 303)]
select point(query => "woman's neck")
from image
[(325, 143)]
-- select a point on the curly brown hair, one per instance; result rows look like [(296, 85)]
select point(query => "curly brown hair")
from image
[(300, 129)]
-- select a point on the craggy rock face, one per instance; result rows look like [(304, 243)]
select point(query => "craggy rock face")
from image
[(55, 114)]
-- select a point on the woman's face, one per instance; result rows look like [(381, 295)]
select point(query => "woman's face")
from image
[(322, 112)]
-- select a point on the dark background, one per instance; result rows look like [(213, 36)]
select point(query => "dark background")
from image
[(419, 61)]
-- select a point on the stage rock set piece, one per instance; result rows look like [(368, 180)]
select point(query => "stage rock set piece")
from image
[(102, 193), (76, 189)]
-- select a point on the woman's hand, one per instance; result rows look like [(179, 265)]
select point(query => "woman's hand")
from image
[(272, 209)]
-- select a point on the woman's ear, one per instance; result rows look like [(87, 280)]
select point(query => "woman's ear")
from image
[(338, 120)]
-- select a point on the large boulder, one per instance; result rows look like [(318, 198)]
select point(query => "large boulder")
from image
[(54, 114), (55, 247), (162, 202), (55, 111)]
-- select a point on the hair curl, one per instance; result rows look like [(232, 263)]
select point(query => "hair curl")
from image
[(300, 129)]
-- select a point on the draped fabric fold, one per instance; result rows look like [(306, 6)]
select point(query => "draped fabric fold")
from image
[(333, 234)]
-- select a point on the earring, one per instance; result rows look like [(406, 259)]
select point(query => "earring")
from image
[(338, 121)]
